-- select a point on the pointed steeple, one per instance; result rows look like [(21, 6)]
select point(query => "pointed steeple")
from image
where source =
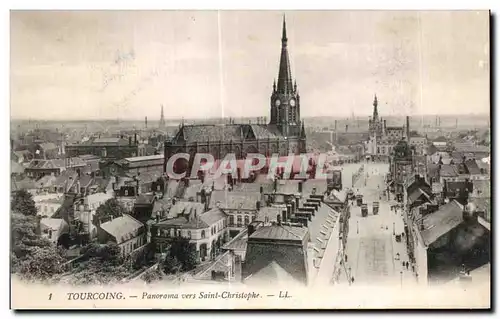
[(162, 118), (375, 110), (285, 75)]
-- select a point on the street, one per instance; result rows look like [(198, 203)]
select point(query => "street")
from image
[(371, 245)]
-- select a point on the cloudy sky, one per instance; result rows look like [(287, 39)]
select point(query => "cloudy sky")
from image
[(110, 64)]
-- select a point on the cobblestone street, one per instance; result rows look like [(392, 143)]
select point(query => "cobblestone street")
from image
[(371, 245)]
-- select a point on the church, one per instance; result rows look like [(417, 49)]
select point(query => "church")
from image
[(283, 135), (383, 138)]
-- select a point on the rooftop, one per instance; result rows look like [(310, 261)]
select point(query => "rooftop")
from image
[(441, 222), (122, 228), (144, 158)]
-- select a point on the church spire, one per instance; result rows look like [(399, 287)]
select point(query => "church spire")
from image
[(375, 110), (162, 118), (285, 75)]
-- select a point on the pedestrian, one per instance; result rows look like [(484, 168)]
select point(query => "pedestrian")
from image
[(345, 258), (352, 279)]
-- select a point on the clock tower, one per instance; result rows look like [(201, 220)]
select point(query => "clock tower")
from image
[(285, 99)]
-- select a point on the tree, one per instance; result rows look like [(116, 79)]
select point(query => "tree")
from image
[(32, 256), (23, 203), (185, 252), (110, 208), (171, 265), (102, 264)]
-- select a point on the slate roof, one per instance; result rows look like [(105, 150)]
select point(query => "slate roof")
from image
[(441, 222), (234, 200), (122, 228), (224, 133), (271, 212), (281, 232), (185, 208), (416, 194), (191, 220), (264, 252), (472, 167), (448, 171)]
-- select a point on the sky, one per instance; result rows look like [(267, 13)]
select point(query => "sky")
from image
[(205, 64)]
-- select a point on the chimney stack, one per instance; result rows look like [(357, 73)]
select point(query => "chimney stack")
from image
[(135, 138), (300, 187), (408, 128), (297, 203), (288, 212), (283, 214)]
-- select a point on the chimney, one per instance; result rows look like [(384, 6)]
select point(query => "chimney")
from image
[(278, 218), (275, 185), (261, 189), (206, 206), (288, 212), (157, 217), (283, 214), (239, 175), (300, 187), (129, 140), (408, 128), (135, 138), (257, 205), (294, 209), (297, 203)]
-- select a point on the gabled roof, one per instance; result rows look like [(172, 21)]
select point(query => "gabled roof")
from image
[(225, 132), (234, 200), (472, 167), (281, 233), (441, 222), (122, 228), (448, 171), (264, 254)]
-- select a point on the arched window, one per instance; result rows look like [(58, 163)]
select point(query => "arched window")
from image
[(231, 220), (239, 221), (202, 234), (189, 234), (247, 220)]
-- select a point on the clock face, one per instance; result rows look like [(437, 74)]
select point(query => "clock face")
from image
[(292, 102), (278, 102)]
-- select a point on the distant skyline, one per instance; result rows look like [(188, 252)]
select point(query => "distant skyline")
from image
[(209, 64)]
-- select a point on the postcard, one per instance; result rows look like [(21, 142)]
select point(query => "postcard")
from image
[(250, 160)]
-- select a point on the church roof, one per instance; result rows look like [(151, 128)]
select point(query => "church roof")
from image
[(226, 132)]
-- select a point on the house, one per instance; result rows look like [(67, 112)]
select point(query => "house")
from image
[(241, 207), (134, 166), (445, 239), (86, 212), (276, 254), (419, 142), (125, 231), (53, 228), (112, 148), (46, 151), (458, 190), (38, 168), (441, 141), (48, 204), (205, 229)]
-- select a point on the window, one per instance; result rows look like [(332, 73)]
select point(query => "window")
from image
[(158, 187), (126, 192), (231, 220), (202, 234), (189, 234), (254, 218), (238, 221), (247, 220)]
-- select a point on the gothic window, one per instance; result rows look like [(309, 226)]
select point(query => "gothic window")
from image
[(202, 234)]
